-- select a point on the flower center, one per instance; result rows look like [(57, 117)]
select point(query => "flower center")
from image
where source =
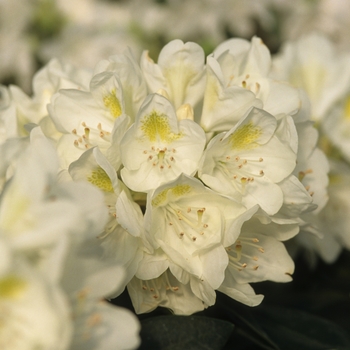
[(240, 171), (90, 136), (241, 258), (161, 157), (187, 223), (155, 287)]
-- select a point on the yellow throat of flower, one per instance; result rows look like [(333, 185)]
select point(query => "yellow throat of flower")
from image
[(112, 103), (156, 126), (176, 191), (245, 137), (100, 179), (12, 287)]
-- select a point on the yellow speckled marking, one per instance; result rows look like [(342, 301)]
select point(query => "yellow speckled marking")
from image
[(100, 179), (156, 126), (12, 287), (112, 103), (177, 191), (245, 137)]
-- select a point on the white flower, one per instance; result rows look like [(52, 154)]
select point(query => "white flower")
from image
[(121, 238), (87, 119), (334, 217), (336, 126), (190, 225), (179, 72), (33, 312), (158, 147), (257, 255), (165, 291), (33, 203), (131, 78), (86, 279), (239, 67), (312, 63), (249, 161)]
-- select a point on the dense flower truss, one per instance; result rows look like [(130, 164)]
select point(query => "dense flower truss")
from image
[(188, 174)]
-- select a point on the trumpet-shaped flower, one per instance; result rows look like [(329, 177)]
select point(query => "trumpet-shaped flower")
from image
[(238, 79), (121, 238), (158, 147), (165, 291), (86, 279), (131, 78), (312, 63), (257, 255), (87, 119), (33, 312), (190, 225), (249, 161), (33, 203), (179, 72)]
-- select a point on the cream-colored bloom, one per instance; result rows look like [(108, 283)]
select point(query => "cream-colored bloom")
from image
[(249, 161), (158, 147), (179, 72)]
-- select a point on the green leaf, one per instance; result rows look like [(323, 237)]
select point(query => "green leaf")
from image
[(247, 329), (294, 329), (184, 332)]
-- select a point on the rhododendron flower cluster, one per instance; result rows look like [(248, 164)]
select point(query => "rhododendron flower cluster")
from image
[(188, 173)]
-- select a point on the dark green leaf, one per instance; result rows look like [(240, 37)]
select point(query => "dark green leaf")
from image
[(294, 329), (184, 332), (247, 328)]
